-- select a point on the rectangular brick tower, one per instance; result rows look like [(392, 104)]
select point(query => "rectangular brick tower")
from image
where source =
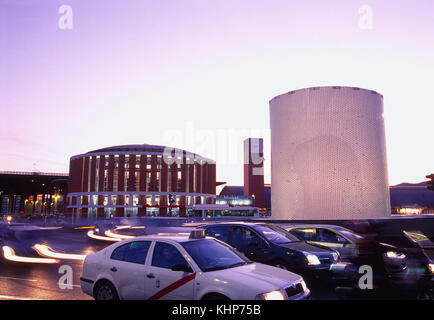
[(254, 170)]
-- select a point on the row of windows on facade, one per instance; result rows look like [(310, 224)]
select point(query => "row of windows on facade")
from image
[(150, 200), (147, 172)]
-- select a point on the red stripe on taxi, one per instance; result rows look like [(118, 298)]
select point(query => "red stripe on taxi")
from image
[(173, 286)]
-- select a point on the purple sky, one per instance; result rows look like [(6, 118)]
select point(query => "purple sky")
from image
[(192, 73)]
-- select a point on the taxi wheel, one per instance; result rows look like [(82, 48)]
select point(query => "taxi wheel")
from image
[(105, 291), (215, 296)]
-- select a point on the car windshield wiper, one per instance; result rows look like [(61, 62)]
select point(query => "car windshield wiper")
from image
[(242, 263), (225, 267), (215, 268)]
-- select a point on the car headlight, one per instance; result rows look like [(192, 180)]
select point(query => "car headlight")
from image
[(96, 230), (431, 267), (272, 295), (303, 285), (312, 260), (395, 255)]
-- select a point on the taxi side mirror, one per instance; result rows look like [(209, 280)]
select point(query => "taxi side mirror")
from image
[(181, 267)]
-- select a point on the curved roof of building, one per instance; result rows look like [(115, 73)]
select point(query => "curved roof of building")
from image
[(141, 148), (328, 87), (414, 197), (131, 147), (411, 194)]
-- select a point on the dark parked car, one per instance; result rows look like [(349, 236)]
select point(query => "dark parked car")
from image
[(272, 245), (346, 242), (389, 263)]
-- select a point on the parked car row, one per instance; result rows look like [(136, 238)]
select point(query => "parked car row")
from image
[(241, 260)]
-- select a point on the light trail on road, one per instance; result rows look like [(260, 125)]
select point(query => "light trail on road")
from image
[(19, 279), (46, 251), (92, 235), (110, 234), (7, 297), (10, 255)]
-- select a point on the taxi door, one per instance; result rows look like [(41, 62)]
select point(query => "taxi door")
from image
[(127, 268), (250, 244), (161, 282)]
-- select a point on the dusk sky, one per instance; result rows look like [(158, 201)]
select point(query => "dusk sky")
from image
[(199, 74)]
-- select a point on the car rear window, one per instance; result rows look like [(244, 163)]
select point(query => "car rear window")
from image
[(133, 252)]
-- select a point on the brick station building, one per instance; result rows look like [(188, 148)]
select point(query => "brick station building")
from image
[(139, 180)]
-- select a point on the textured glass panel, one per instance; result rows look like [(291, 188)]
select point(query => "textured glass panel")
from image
[(328, 155)]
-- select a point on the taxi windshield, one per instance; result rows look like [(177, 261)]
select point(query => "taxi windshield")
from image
[(275, 234), (211, 255)]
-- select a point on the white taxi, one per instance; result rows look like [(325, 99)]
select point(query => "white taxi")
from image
[(182, 267)]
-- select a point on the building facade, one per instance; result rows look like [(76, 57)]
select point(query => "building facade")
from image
[(32, 193), (411, 198), (328, 154), (138, 180), (237, 193)]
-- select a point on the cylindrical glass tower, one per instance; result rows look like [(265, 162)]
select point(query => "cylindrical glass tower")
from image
[(328, 154)]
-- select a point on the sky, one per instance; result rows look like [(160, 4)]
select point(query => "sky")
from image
[(199, 75)]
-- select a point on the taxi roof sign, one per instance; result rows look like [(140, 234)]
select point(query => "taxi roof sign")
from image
[(419, 238), (197, 234)]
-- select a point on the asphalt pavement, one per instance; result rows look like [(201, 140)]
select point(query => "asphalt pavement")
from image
[(33, 281)]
